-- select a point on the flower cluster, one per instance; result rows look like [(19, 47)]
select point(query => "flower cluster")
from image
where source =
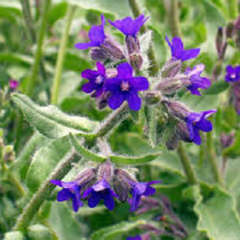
[(95, 185), (115, 85), (189, 123), (233, 77)]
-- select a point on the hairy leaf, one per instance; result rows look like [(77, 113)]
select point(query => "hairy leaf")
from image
[(50, 121), (15, 235), (112, 232), (84, 152), (218, 216), (45, 160)]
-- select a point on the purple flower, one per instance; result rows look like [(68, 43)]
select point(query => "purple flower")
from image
[(134, 238), (71, 190), (129, 26), (196, 122), (125, 87), (96, 80), (100, 191), (196, 80), (13, 84), (232, 73), (141, 189), (179, 52), (96, 36)]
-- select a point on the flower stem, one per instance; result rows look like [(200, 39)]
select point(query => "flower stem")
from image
[(187, 167), (37, 59), (173, 17), (232, 9), (153, 69), (44, 191), (213, 159), (61, 55)]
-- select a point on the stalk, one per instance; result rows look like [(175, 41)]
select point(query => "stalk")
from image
[(61, 56)]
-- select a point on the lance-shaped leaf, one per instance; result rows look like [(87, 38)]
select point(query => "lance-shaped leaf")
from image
[(45, 160), (50, 121), (218, 217), (39, 232), (132, 160), (84, 152), (111, 233), (15, 235)]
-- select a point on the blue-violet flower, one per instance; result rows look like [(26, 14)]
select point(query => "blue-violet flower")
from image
[(196, 122), (125, 87), (71, 190), (196, 80), (178, 51), (232, 73), (129, 26), (100, 191), (140, 189), (96, 36), (96, 80)]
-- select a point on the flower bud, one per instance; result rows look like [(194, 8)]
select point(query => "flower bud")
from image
[(133, 48), (102, 101), (227, 139), (219, 41), (121, 183), (182, 132), (108, 50), (171, 68), (172, 142), (8, 153), (106, 171), (176, 109), (169, 86), (236, 92), (152, 97)]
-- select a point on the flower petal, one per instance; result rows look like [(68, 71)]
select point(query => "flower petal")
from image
[(134, 101), (150, 191), (177, 47), (101, 68), (204, 125), (94, 200), (64, 195), (97, 35), (56, 182), (125, 71), (75, 205), (139, 83), (113, 85), (189, 54), (116, 100), (196, 137), (135, 202), (88, 87), (87, 45), (89, 74), (109, 201)]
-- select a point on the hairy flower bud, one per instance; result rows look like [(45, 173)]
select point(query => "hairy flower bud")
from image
[(171, 68), (102, 101), (133, 48), (169, 85), (121, 183), (152, 97), (182, 132), (176, 109), (106, 171), (227, 139)]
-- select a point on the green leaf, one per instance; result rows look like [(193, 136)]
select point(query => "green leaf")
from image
[(10, 9), (110, 233), (50, 121), (84, 152), (57, 12), (105, 5), (45, 160), (15, 235), (217, 88), (218, 216), (152, 126), (39, 232), (64, 223), (23, 161), (134, 115), (133, 160)]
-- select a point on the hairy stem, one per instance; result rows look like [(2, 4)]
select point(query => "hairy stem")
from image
[(61, 56), (28, 19), (153, 69), (38, 55), (173, 17), (187, 167), (44, 191), (212, 157)]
